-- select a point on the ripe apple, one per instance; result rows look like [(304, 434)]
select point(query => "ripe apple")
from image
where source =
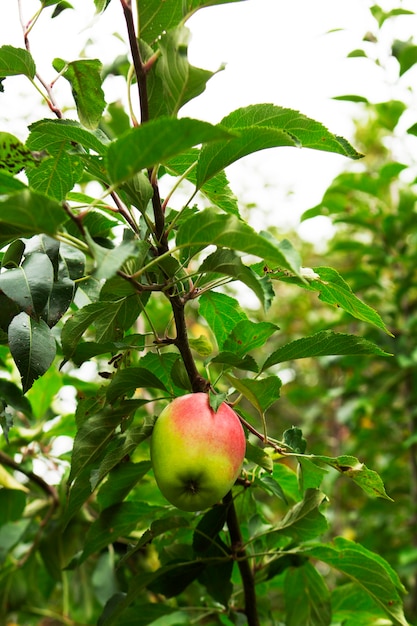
[(196, 453)]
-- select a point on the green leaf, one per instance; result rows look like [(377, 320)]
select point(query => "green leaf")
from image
[(381, 16), (14, 61), (181, 81), (127, 380), (55, 176), (31, 284), (323, 343), (258, 455), (86, 350), (227, 262), (247, 335), (156, 18), (12, 396), (412, 131), (334, 290), (14, 155), (368, 480), (158, 527), (304, 521), (121, 479), (161, 366), (121, 446), (358, 52), (389, 113), (374, 575), (139, 191), (78, 493), (156, 142), (217, 189), (84, 76), (60, 297), (262, 126), (109, 318), (307, 598), (175, 577), (293, 437), (101, 5), (351, 98), (261, 392), (12, 504), (8, 309), (91, 439), (201, 344), (60, 7), (406, 54), (208, 528), (210, 228), (222, 313), (232, 360), (352, 606), (216, 577), (270, 485), (32, 347), (310, 475), (9, 184), (74, 261), (108, 261), (287, 479), (28, 213), (116, 521), (49, 134)]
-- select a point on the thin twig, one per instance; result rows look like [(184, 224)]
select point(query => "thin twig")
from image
[(35, 478), (26, 30), (77, 219), (124, 212)]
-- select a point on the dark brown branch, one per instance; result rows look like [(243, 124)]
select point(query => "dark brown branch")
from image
[(124, 213), (240, 556), (198, 382), (159, 218), (137, 60), (138, 286), (77, 219)]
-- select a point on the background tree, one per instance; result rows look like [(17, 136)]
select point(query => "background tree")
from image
[(101, 275), (362, 406)]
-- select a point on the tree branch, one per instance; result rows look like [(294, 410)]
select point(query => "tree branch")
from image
[(38, 480), (240, 555), (198, 382), (137, 61), (124, 213)]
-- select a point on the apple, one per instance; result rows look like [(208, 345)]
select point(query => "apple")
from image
[(196, 453)]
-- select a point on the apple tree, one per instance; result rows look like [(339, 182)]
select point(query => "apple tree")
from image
[(113, 303)]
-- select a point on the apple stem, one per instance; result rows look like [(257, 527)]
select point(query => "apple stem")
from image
[(239, 554)]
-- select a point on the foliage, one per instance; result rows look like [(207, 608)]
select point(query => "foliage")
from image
[(374, 244), (111, 303)]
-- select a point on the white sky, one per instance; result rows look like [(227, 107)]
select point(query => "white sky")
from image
[(274, 50)]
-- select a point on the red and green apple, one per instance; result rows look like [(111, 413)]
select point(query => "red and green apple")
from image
[(197, 453)]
